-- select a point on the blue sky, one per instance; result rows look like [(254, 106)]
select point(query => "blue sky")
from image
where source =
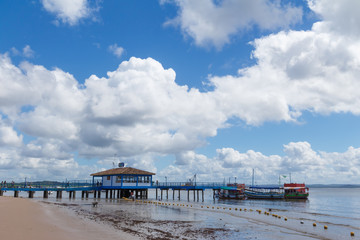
[(213, 88)]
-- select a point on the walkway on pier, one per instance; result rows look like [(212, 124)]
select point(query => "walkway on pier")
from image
[(195, 187), (87, 187)]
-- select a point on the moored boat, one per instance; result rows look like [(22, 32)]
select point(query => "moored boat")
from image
[(259, 192), (232, 191), (296, 191)]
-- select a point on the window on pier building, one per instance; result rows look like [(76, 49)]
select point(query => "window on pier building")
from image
[(143, 179), (118, 179), (129, 179)]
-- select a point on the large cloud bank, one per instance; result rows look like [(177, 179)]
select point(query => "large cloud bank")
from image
[(299, 159), (139, 111)]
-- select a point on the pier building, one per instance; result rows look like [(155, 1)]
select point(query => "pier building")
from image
[(125, 180)]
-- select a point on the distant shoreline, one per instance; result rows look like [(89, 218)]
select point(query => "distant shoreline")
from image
[(333, 185)]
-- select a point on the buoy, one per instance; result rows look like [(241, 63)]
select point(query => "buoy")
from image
[(202, 206), (325, 227), (218, 208), (229, 208), (285, 219), (352, 234), (213, 207), (235, 209), (314, 224)]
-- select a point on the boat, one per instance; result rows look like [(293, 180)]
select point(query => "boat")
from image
[(232, 191), (296, 191), (264, 192)]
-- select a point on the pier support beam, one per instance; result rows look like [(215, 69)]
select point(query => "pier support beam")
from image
[(107, 194), (46, 194), (1, 193), (16, 193), (156, 197), (58, 194), (202, 191), (31, 194)]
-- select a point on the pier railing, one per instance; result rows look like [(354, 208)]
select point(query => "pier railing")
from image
[(52, 185)]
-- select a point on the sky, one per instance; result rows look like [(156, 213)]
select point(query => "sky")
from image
[(215, 88)]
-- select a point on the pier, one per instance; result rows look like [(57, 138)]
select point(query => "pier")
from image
[(122, 182), (194, 191)]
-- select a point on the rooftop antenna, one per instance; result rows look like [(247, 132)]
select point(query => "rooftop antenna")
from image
[(114, 161)]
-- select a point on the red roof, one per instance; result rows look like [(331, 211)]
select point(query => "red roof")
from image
[(120, 171)]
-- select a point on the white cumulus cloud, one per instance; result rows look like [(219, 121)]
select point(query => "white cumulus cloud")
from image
[(214, 23), (68, 11), (116, 50)]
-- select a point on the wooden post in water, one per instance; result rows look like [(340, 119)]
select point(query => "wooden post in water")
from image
[(31, 194), (82, 194), (202, 191), (179, 194), (1, 193), (16, 193), (107, 194), (173, 194), (188, 195), (156, 197), (194, 194), (99, 194), (197, 192), (58, 194), (161, 193), (87, 194), (46, 194), (167, 194)]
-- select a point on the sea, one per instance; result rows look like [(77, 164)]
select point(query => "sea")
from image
[(336, 208)]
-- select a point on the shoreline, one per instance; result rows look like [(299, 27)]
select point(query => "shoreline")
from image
[(27, 219), (24, 218)]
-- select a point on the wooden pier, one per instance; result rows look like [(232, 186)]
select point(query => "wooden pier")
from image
[(194, 192)]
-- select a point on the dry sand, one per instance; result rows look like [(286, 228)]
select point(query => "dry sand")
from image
[(22, 219)]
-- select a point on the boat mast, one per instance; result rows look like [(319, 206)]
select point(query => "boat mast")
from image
[(290, 178), (252, 179)]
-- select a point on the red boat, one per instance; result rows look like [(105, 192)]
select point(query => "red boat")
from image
[(296, 191)]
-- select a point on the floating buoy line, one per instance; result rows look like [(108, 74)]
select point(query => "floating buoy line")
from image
[(267, 213)]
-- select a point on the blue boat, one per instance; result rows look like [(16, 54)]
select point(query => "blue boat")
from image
[(264, 192)]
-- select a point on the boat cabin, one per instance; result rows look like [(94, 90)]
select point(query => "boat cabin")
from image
[(123, 178)]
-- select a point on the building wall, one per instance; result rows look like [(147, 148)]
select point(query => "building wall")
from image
[(113, 182), (106, 182)]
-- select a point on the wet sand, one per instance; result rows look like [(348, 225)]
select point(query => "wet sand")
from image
[(27, 219)]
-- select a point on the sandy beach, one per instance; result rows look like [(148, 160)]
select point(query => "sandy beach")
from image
[(27, 219)]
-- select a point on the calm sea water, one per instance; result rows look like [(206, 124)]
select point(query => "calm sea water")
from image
[(337, 208)]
